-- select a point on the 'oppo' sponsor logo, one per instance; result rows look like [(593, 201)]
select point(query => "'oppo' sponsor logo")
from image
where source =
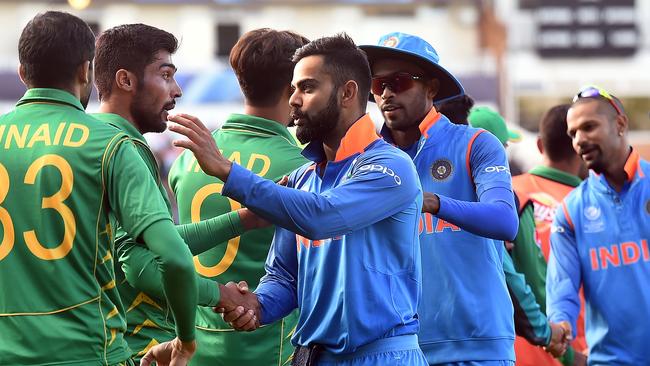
[(380, 168), (496, 169)]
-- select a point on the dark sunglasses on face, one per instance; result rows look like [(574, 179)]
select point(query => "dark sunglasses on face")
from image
[(595, 92), (397, 82)]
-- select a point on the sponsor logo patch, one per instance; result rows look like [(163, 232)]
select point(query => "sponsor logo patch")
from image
[(592, 213), (441, 169), (497, 169), (382, 169), (391, 41), (594, 222)]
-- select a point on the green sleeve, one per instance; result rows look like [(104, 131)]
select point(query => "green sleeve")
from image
[(178, 276), (140, 266), (530, 322), (528, 258), (203, 235), (141, 269), (134, 199)]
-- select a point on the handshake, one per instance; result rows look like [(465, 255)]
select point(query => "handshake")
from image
[(238, 306), (561, 337)]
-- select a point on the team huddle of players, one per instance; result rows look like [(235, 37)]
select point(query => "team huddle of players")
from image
[(411, 246)]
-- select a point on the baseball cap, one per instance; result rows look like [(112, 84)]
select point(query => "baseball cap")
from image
[(413, 48), (491, 120)]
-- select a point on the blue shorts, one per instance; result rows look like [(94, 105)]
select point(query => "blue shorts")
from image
[(394, 351), (477, 363)]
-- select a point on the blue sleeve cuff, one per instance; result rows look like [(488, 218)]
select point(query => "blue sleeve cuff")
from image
[(237, 174)]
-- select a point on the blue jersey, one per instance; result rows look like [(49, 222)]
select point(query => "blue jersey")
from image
[(466, 313), (600, 240), (347, 255)]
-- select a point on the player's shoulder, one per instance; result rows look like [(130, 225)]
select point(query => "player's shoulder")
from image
[(461, 131), (579, 196)]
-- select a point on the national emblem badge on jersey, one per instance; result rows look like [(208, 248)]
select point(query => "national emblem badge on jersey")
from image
[(441, 169)]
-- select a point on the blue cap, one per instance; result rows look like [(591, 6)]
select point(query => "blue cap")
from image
[(413, 48)]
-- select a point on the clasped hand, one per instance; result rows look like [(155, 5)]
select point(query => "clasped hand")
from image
[(239, 307), (561, 337)]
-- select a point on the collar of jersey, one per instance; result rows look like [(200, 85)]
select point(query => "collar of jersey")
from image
[(358, 137), (47, 95), (120, 123), (633, 165), (254, 124), (632, 169), (428, 122), (556, 175)]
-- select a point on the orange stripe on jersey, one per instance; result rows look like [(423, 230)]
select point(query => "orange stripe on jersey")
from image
[(431, 118), (361, 134), (566, 213), (632, 165), (469, 153)]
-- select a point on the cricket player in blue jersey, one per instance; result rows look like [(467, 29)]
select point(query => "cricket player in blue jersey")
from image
[(347, 253), (466, 314), (599, 238)]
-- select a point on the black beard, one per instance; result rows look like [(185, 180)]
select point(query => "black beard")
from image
[(317, 127), (146, 120)]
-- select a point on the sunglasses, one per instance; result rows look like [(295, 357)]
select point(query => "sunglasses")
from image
[(595, 92), (397, 82)]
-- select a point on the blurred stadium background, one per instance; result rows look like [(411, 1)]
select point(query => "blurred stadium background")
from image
[(518, 56)]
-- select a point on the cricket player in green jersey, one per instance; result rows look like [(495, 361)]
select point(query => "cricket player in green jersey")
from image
[(260, 141), (134, 75), (62, 174)]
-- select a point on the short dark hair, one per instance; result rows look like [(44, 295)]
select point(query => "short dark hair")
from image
[(51, 48), (553, 133), (343, 61), (262, 62), (457, 108), (131, 47)]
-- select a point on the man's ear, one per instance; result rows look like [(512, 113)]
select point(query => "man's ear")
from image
[(621, 124), (350, 93), (434, 87), (540, 146), (21, 74), (84, 73), (125, 80)]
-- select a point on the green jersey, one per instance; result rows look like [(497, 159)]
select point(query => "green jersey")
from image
[(268, 149), (149, 321), (62, 173)]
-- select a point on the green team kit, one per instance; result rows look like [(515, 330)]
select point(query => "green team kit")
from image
[(139, 282), (268, 149), (62, 174)]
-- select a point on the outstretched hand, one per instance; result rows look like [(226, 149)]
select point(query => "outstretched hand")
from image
[(201, 143), (239, 307)]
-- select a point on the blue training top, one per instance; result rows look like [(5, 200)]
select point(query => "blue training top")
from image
[(346, 252), (466, 313), (600, 240)]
